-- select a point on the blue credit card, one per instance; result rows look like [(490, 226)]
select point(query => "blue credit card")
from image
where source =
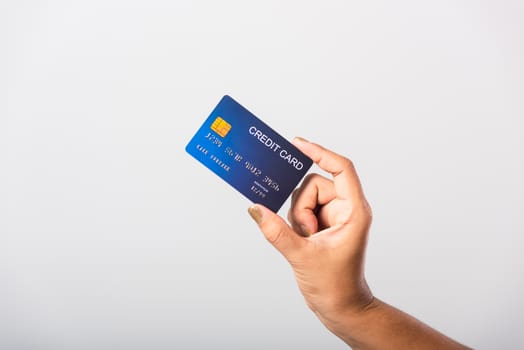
[(248, 154)]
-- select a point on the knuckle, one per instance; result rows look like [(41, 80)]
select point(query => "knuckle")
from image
[(275, 236), (360, 213), (365, 214), (369, 210), (348, 163), (294, 195), (310, 178)]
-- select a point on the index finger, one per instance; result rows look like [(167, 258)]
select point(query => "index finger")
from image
[(345, 178)]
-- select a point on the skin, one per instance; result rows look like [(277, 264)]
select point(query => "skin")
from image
[(325, 244)]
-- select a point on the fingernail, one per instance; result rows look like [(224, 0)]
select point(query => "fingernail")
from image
[(301, 139), (255, 213)]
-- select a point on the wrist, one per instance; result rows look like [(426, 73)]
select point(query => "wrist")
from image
[(338, 314), (349, 320)]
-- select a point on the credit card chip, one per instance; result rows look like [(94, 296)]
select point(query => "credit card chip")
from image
[(221, 127)]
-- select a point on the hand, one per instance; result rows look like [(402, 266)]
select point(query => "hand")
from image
[(325, 245)]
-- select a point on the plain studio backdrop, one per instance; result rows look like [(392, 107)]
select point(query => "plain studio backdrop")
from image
[(112, 237)]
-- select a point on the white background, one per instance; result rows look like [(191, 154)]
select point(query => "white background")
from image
[(112, 237)]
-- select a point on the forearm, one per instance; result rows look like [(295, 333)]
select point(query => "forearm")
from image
[(381, 326)]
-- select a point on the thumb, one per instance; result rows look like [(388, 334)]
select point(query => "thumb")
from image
[(277, 231)]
